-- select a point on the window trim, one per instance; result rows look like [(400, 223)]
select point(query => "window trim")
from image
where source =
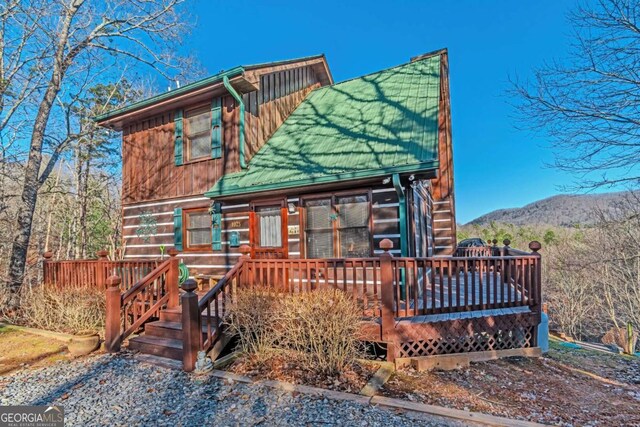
[(334, 228), (185, 230), (186, 146)]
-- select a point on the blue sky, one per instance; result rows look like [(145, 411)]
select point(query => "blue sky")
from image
[(496, 165)]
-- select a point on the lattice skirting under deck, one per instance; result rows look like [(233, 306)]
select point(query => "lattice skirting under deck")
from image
[(500, 332)]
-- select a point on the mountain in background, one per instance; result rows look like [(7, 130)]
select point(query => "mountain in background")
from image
[(561, 210)]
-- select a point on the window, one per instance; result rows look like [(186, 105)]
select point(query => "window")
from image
[(319, 229), (269, 226), (338, 227), (197, 133), (353, 226), (197, 229)]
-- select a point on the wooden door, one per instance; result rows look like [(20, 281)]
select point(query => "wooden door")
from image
[(269, 231)]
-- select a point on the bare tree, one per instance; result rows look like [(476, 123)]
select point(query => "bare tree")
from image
[(70, 45), (588, 105)]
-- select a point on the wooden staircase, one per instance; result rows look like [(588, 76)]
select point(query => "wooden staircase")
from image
[(163, 337)]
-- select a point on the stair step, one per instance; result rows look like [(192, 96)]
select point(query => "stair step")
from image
[(166, 329), (174, 315), (157, 346), (160, 361)]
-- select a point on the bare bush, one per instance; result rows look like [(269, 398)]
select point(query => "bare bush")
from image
[(625, 338), (76, 311), (249, 317), (322, 328), (319, 329)]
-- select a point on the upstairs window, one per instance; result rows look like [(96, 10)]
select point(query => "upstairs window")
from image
[(197, 133)]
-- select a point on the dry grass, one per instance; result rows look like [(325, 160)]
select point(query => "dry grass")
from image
[(20, 349), (74, 311)]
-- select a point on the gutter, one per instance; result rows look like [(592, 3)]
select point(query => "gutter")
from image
[(168, 95), (402, 207), (238, 98)]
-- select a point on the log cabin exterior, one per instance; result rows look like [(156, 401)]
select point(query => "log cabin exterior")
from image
[(404, 194), (274, 176)]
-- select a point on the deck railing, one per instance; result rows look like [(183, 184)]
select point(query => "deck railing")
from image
[(386, 288), (127, 311), (94, 273)]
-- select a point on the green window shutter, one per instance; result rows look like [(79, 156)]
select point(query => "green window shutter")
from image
[(178, 138), (216, 128), (216, 227), (177, 229)]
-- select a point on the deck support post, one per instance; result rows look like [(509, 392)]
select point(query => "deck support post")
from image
[(112, 318), (191, 328), (101, 271), (388, 312), (46, 271), (173, 274), (535, 246)]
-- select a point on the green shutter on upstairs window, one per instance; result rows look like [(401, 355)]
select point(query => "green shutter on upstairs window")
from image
[(216, 128), (177, 229), (216, 227), (178, 137)]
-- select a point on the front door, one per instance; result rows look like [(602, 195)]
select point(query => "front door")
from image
[(268, 231)]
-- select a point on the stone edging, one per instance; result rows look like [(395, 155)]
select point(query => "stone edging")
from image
[(43, 333), (386, 402)]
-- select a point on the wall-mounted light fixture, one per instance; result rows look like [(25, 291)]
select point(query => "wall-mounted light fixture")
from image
[(291, 207), (386, 181)]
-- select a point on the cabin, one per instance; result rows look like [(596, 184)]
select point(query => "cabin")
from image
[(273, 175), (281, 158)]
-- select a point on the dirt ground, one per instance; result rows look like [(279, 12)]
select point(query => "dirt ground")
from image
[(565, 387), (20, 349), (285, 368)]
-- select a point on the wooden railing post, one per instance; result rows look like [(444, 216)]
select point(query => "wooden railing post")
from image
[(46, 268), (386, 297), (191, 327), (101, 270), (112, 321), (173, 285), (535, 246), (245, 250)]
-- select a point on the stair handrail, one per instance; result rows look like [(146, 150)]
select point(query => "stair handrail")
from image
[(128, 311), (202, 317)]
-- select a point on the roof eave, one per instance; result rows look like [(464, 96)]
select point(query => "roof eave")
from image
[(415, 168), (171, 96)]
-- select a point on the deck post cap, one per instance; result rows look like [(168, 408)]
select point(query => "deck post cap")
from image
[(245, 250), (102, 253), (113, 281), (506, 242), (173, 252), (535, 246), (495, 241), (189, 285), (48, 255), (386, 245)]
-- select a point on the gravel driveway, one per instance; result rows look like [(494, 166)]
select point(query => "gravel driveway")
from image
[(118, 390)]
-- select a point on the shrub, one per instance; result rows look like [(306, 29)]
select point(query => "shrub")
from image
[(319, 328), (78, 310), (322, 328), (249, 316)]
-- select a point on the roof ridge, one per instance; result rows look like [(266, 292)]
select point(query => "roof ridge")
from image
[(283, 61), (413, 60)]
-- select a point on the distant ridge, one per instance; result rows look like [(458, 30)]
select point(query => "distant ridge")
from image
[(561, 210)]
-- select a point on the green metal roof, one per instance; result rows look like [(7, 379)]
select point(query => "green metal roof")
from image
[(375, 125)]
